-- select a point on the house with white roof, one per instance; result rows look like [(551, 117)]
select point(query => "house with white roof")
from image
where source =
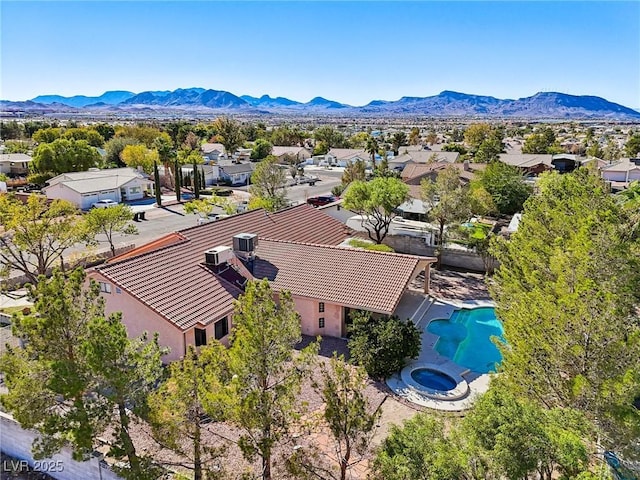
[(85, 188), (621, 173), (15, 163)]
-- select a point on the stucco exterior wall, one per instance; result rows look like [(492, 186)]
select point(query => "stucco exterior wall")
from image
[(17, 442), (309, 310), (138, 318)]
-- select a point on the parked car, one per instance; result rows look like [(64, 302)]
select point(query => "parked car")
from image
[(322, 200), (104, 204)]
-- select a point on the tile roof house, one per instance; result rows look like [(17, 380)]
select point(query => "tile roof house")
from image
[(174, 288), (85, 188)]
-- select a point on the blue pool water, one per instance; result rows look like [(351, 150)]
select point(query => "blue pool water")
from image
[(466, 338), (433, 379)]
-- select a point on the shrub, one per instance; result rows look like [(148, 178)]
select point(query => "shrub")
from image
[(357, 243), (382, 344)]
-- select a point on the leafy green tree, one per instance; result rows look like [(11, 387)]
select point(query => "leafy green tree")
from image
[(454, 147), (382, 344), (79, 375), (419, 450), (268, 182), (63, 155), (143, 134), (475, 134), (125, 372), (109, 222), (194, 390), (51, 365), (105, 130), (11, 130), (330, 137), (321, 148), (448, 202), (35, 234), (266, 374), (359, 140), (229, 134), (523, 440), (566, 290), (632, 147), (47, 135), (92, 137), (611, 152), (349, 415), (542, 141), (114, 148), (261, 149), (432, 137), (376, 202), (506, 185), (139, 156)]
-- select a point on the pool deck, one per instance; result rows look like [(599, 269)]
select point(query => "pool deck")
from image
[(478, 383)]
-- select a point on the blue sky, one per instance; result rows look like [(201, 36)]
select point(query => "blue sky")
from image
[(352, 52)]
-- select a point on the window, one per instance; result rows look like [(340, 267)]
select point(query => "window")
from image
[(134, 190), (201, 336), (118, 290), (222, 328), (105, 287), (321, 322), (321, 307)]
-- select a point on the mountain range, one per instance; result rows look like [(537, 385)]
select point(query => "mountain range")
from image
[(445, 104)]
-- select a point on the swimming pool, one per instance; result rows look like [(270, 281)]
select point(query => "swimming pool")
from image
[(433, 379), (466, 338)]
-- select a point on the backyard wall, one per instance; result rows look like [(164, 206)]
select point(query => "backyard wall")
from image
[(16, 442), (452, 258)]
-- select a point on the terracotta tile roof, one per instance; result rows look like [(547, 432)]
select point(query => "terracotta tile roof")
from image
[(347, 276), (173, 281)]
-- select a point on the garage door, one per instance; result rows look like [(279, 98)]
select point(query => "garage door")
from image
[(109, 195), (88, 199)]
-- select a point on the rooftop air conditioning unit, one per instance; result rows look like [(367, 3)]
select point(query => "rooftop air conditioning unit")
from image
[(245, 242), (218, 255)]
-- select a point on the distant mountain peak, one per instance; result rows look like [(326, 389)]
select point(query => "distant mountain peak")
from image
[(448, 103)]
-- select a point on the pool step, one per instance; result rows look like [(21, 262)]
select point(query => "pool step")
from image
[(421, 311)]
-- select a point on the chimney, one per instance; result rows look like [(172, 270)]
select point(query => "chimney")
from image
[(465, 166)]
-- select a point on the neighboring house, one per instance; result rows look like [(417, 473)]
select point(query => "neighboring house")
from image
[(342, 157), (236, 174), (299, 153), (420, 156), (212, 152), (15, 163), (183, 286), (414, 173), (211, 173), (337, 211), (565, 163), (85, 188), (529, 163), (621, 173)]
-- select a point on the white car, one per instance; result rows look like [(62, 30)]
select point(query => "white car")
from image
[(105, 204)]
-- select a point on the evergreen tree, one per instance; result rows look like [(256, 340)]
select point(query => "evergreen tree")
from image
[(156, 178), (567, 291)]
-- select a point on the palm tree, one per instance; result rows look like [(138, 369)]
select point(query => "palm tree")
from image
[(372, 149)]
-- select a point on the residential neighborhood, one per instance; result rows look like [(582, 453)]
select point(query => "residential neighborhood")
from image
[(320, 240)]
